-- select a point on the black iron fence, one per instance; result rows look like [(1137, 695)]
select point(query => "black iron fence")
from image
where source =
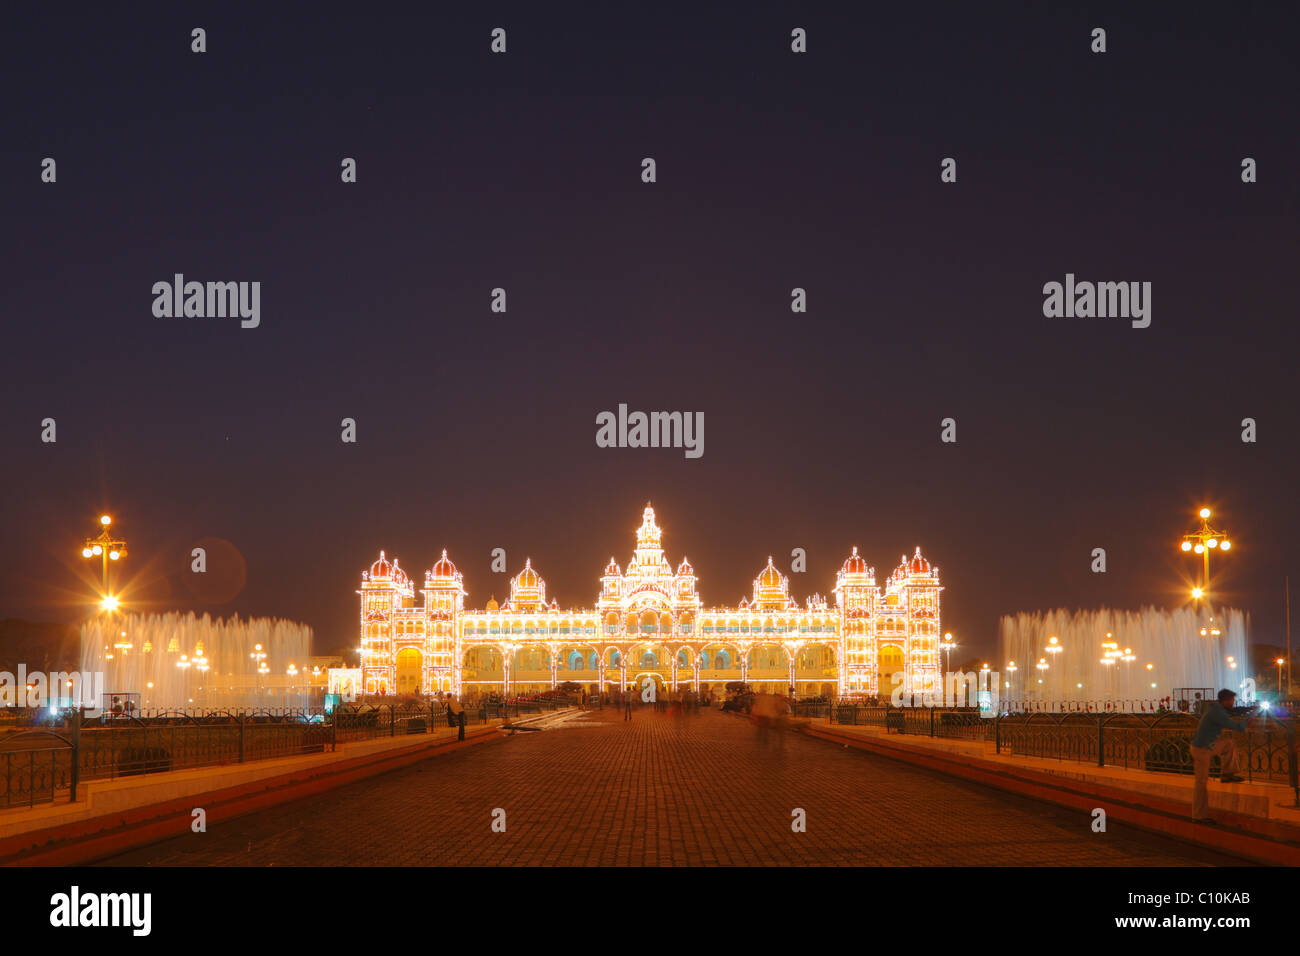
[(1143, 741), (1146, 742)]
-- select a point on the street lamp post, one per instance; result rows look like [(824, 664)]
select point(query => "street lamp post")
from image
[(1111, 653), (108, 548), (259, 656), (184, 664), (948, 644), (200, 663), (1202, 541)]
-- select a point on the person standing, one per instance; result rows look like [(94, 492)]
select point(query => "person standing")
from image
[(627, 704), (1215, 718)]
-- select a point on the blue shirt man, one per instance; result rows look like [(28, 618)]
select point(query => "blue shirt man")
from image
[(1206, 744), (1214, 721)]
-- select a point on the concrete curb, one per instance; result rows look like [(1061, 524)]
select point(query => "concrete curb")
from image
[(90, 840)]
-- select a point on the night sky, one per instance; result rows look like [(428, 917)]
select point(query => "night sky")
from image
[(476, 430)]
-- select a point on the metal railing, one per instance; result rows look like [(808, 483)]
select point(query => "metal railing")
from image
[(1145, 742), (38, 765), (1142, 741)]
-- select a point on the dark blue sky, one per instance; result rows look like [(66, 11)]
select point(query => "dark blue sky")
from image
[(476, 430)]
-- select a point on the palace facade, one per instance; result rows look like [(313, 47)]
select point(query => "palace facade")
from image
[(649, 621)]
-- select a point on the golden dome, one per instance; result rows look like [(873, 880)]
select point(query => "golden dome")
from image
[(527, 578), (770, 576)]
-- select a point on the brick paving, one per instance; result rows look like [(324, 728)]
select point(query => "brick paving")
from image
[(665, 791)]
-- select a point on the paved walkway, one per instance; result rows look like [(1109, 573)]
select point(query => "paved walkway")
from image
[(658, 791)]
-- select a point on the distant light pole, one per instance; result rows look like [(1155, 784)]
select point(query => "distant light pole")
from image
[(1279, 663), (948, 644), (259, 655), (200, 663), (1110, 654), (109, 548), (1202, 541), (184, 665)]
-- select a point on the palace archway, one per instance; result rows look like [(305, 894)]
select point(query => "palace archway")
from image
[(410, 667)]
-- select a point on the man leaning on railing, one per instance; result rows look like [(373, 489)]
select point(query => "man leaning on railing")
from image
[(1208, 743)]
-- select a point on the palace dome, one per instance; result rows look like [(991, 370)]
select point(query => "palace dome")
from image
[(854, 564), (381, 568), (685, 567), (611, 569), (527, 578), (919, 564), (770, 576), (444, 568)]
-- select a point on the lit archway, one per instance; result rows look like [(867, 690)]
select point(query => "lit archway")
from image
[(410, 667)]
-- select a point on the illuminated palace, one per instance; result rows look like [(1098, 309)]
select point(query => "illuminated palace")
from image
[(650, 621)]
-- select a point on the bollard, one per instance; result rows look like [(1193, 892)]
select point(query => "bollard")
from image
[(76, 754)]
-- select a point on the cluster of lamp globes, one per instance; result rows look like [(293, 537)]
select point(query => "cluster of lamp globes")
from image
[(110, 549), (1202, 542)]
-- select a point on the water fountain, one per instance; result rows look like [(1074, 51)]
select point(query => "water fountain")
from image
[(180, 661), (1147, 654)]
